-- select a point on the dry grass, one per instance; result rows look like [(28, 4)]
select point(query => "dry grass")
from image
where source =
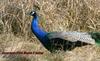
[(57, 15)]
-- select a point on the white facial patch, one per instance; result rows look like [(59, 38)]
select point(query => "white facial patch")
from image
[(33, 12)]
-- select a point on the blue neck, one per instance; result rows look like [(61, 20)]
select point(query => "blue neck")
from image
[(39, 33)]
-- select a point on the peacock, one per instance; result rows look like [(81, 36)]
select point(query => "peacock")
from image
[(54, 41)]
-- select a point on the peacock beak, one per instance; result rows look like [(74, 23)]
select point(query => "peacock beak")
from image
[(28, 13)]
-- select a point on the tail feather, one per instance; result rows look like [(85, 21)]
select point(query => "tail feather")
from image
[(96, 36)]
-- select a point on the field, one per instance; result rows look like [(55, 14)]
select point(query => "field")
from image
[(54, 15)]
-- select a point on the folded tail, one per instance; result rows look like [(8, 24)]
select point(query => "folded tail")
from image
[(87, 37), (96, 37)]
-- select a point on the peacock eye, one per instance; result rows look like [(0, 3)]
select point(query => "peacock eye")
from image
[(33, 12)]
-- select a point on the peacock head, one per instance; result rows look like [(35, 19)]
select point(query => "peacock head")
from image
[(33, 13)]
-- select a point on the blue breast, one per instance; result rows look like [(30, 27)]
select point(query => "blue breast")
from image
[(39, 33)]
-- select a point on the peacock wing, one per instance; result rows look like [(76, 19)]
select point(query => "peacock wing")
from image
[(72, 36)]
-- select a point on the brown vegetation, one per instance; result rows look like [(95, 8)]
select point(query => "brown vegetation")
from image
[(55, 15)]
